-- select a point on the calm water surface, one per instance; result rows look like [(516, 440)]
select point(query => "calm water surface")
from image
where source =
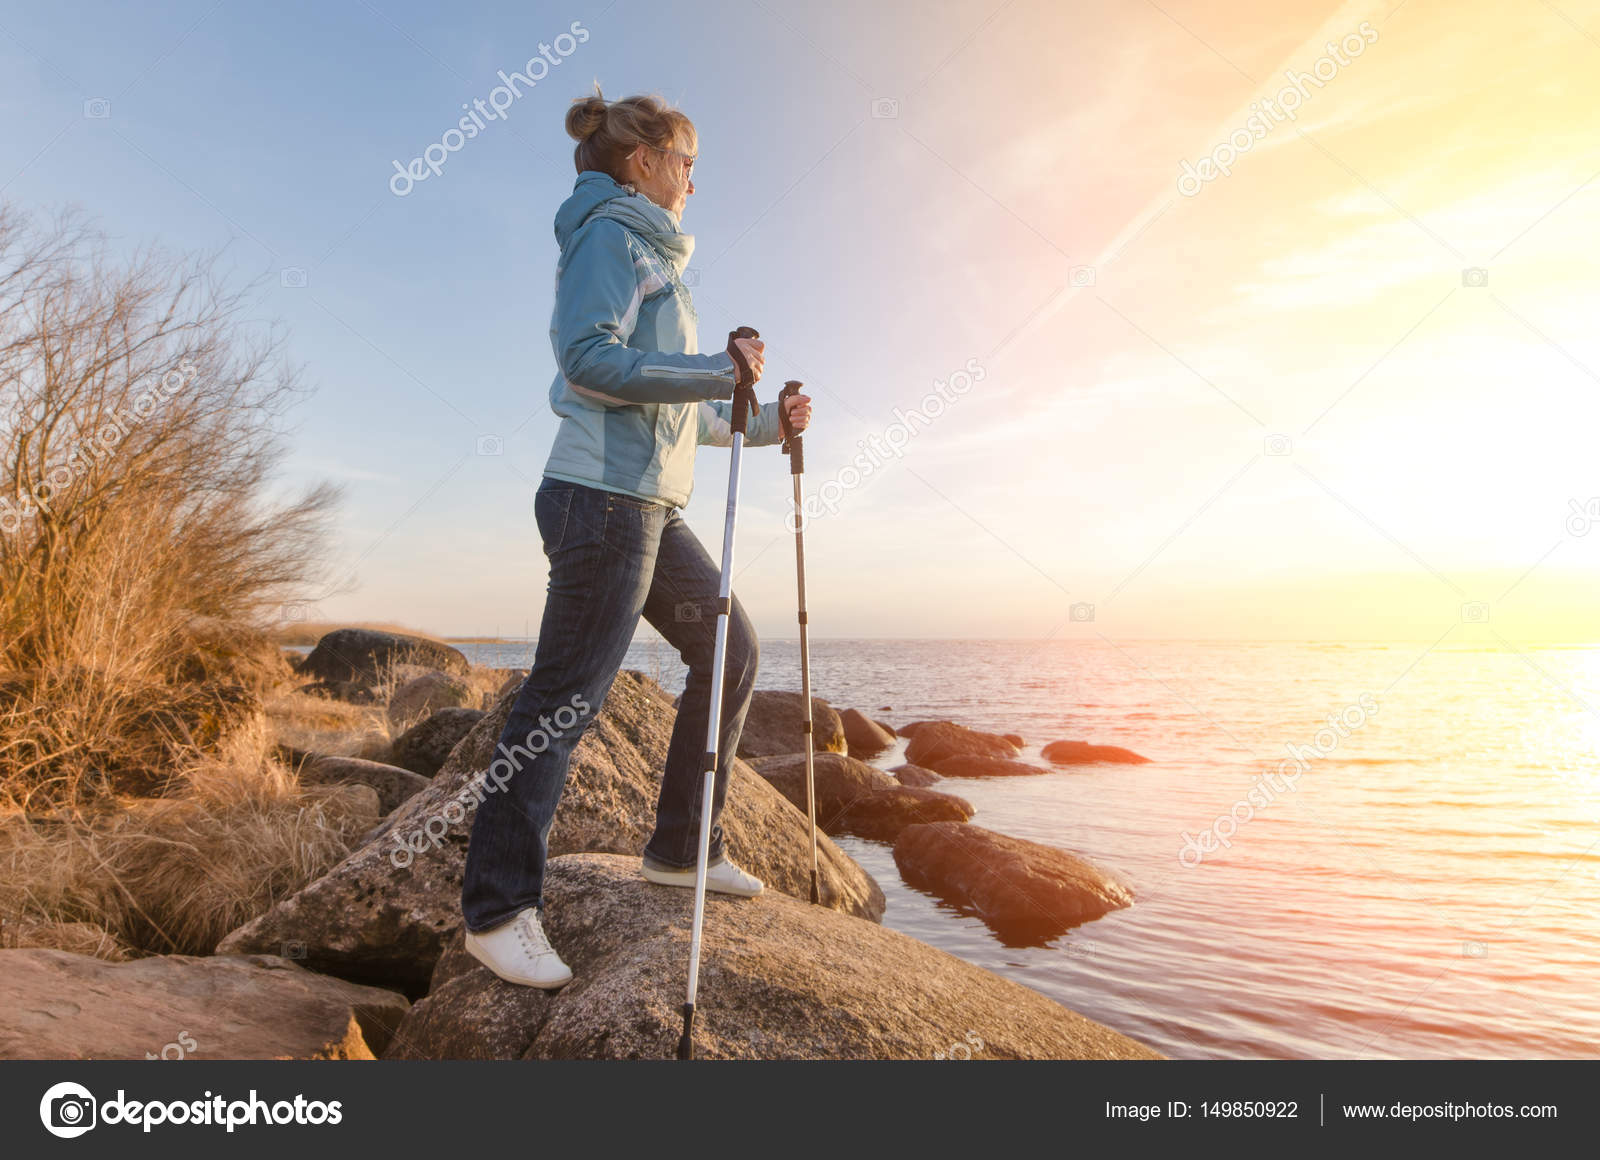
[(1428, 886)]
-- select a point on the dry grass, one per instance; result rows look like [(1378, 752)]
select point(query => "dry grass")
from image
[(318, 725), (174, 875), (80, 938)]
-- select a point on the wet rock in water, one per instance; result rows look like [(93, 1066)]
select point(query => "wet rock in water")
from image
[(972, 765), (933, 740), (915, 776), (1025, 892), (1015, 739), (854, 798), (58, 1005), (779, 979), (1082, 753), (863, 736), (383, 913), (426, 746), (776, 722)]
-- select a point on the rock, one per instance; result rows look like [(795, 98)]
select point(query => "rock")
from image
[(367, 657), (1025, 892), (776, 725), (886, 727), (854, 798), (883, 815), (514, 680), (971, 765), (779, 979), (935, 739), (1015, 739), (914, 775), (1081, 752), (393, 784), (429, 693), (862, 735), (426, 746), (383, 913), (57, 1005)]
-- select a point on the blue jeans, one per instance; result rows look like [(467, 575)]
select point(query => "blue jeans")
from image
[(612, 558)]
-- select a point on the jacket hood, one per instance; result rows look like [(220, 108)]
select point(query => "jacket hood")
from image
[(597, 195)]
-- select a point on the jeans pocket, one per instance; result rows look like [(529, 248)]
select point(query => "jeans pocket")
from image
[(616, 499), (552, 511)]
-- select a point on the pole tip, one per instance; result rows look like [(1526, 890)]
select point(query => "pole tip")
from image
[(686, 1042)]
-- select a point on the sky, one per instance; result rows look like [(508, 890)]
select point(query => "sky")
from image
[(1344, 389)]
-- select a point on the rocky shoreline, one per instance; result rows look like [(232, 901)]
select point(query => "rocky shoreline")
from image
[(378, 936)]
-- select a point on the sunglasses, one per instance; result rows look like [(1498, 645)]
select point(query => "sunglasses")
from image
[(687, 158)]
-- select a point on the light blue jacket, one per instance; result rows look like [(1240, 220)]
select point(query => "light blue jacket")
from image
[(634, 395)]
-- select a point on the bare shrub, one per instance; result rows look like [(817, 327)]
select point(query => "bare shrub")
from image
[(143, 552)]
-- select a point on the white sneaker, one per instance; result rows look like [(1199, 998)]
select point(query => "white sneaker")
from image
[(722, 877), (519, 952)]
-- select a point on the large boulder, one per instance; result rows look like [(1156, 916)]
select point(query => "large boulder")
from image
[(426, 746), (973, 765), (932, 740), (421, 696), (1082, 753), (864, 737), (393, 784), (383, 913), (776, 724), (366, 656), (58, 1005), (779, 979), (1026, 893), (854, 798)]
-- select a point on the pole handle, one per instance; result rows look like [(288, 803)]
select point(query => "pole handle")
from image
[(793, 446), (744, 387)]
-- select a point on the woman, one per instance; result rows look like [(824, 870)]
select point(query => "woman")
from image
[(635, 398)]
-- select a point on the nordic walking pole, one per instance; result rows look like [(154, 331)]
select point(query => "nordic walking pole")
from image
[(744, 402), (794, 448)]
